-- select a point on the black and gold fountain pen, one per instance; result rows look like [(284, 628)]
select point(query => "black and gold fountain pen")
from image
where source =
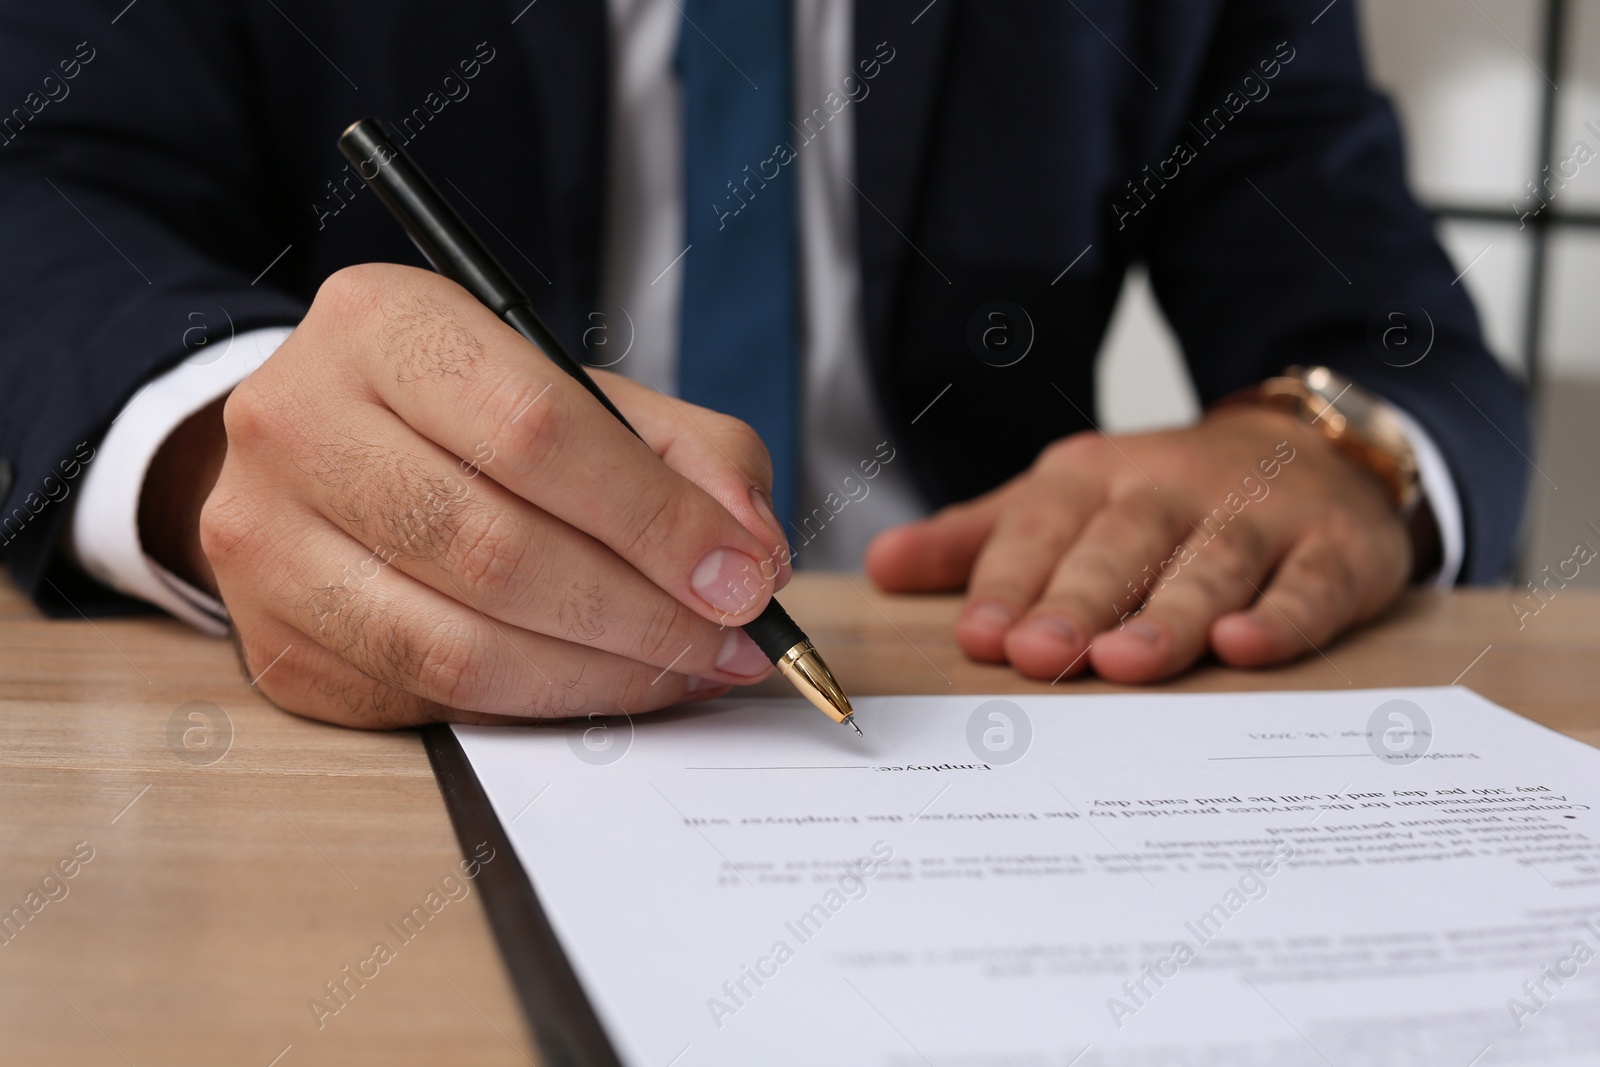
[(457, 253)]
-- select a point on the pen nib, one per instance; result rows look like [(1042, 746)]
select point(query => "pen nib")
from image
[(804, 668)]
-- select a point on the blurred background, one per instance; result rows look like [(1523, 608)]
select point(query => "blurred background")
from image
[(1489, 92)]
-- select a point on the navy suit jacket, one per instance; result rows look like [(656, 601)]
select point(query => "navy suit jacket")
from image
[(173, 167)]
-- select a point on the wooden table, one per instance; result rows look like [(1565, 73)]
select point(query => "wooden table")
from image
[(221, 896)]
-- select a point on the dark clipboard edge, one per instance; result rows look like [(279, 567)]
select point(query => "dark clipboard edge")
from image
[(564, 1022)]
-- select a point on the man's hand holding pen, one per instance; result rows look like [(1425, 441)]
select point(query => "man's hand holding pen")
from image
[(419, 518)]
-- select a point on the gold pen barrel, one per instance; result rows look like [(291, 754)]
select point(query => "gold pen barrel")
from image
[(804, 668)]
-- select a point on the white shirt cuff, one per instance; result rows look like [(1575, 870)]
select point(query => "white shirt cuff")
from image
[(1440, 490), (104, 531)]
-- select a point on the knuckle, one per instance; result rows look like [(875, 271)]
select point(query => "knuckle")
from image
[(560, 699), (1219, 586), (1245, 542), (225, 523), (450, 666), (249, 415), (1343, 527), (280, 691), (1072, 453), (534, 417), (488, 554), (351, 293), (1185, 466), (1325, 575), (355, 700), (647, 691), (1314, 593), (425, 337), (666, 633), (418, 512), (1231, 566), (657, 520), (336, 614), (1225, 578), (284, 684), (1120, 526), (1034, 524), (425, 532), (380, 707), (286, 676), (1151, 509), (583, 612), (954, 512)]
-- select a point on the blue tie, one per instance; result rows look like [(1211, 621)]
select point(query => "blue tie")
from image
[(737, 332)]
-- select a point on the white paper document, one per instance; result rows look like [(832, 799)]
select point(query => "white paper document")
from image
[(1354, 879)]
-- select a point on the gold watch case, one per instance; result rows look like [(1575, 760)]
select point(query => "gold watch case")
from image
[(1361, 425)]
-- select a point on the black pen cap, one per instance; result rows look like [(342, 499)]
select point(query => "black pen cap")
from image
[(428, 218)]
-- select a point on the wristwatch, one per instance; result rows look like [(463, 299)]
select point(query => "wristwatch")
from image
[(1361, 425)]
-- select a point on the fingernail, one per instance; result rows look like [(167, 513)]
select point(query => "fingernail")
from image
[(1145, 632), (762, 503), (727, 580), (989, 615), (742, 656), (1053, 625), (698, 684)]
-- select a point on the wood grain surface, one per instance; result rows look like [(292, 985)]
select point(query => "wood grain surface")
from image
[(238, 868)]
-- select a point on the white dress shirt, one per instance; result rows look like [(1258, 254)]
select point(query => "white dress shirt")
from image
[(841, 427)]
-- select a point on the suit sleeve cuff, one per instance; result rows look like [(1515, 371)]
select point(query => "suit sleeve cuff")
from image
[(1439, 488), (104, 533)]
